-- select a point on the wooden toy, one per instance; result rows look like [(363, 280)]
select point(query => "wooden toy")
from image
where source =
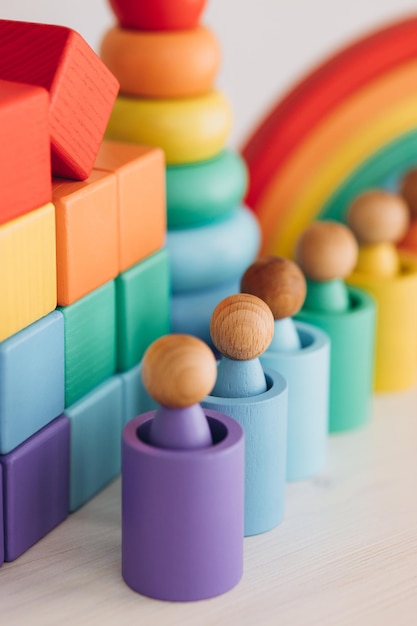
[(168, 64), (140, 173), (408, 190), (182, 481), (344, 139), (242, 327), (90, 341), (187, 129), (31, 380), (142, 305), (28, 275), (191, 310), (1, 518), (96, 422), (24, 147), (158, 14), (203, 192), (82, 90), (35, 487), (379, 219), (289, 124), (136, 399), (87, 252), (301, 353), (208, 255), (326, 252)]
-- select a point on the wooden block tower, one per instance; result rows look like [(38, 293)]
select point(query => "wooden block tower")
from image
[(84, 278), (166, 62)]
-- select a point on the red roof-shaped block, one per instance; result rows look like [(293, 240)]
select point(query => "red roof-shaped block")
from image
[(82, 90)]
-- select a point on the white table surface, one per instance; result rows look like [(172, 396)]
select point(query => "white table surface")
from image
[(346, 553)]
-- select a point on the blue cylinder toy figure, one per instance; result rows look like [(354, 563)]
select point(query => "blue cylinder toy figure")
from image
[(327, 253), (242, 327), (182, 481), (301, 353)]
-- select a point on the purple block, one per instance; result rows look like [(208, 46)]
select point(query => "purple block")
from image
[(1, 519), (182, 512), (36, 487)]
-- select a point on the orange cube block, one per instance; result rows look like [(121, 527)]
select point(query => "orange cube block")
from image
[(86, 234), (140, 172), (25, 156), (82, 90), (28, 270)]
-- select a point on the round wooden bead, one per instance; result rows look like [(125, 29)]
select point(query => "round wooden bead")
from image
[(176, 64), (187, 129), (242, 327), (408, 190), (158, 14), (378, 216), (279, 282), (178, 370), (326, 250), (203, 192)]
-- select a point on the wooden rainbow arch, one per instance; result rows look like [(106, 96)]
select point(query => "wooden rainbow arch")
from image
[(349, 125)]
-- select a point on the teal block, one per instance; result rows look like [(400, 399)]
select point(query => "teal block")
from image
[(136, 399), (90, 342), (143, 308), (96, 423), (31, 380)]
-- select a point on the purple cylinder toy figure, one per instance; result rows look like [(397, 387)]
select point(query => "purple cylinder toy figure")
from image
[(182, 481)]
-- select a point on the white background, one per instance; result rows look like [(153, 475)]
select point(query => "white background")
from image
[(267, 44)]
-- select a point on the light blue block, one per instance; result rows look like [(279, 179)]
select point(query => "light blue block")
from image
[(95, 451), (307, 373), (31, 380), (136, 399)]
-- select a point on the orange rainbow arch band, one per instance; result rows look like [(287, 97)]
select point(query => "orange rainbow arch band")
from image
[(347, 126)]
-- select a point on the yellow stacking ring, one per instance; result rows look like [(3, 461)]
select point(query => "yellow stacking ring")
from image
[(172, 64), (187, 129)]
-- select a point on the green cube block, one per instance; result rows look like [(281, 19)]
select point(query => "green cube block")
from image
[(90, 341), (143, 310)]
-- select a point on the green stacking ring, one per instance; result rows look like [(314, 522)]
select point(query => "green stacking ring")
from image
[(203, 192)]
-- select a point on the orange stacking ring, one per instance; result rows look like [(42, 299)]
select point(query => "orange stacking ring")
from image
[(171, 64)]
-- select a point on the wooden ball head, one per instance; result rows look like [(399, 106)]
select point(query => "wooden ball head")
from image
[(377, 216), (277, 281), (242, 327), (408, 190), (326, 250), (178, 370)]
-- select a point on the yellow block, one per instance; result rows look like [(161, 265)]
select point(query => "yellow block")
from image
[(28, 270), (396, 326), (187, 129)]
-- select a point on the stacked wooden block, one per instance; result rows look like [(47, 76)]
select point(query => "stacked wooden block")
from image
[(84, 278), (166, 63)]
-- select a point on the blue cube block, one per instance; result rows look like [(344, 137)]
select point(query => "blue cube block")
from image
[(1, 518), (136, 399), (36, 487), (96, 432), (31, 380)]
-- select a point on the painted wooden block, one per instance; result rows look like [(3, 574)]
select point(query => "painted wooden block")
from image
[(31, 380), (140, 173), (28, 270), (82, 90), (187, 129), (142, 296), (155, 64), (136, 399), (87, 247), (1, 518), (25, 157), (90, 341), (36, 487), (96, 426)]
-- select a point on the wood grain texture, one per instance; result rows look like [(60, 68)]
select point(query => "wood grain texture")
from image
[(345, 554)]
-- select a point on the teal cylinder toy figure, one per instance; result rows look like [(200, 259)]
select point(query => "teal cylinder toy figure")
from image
[(301, 353), (241, 328), (327, 253)]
